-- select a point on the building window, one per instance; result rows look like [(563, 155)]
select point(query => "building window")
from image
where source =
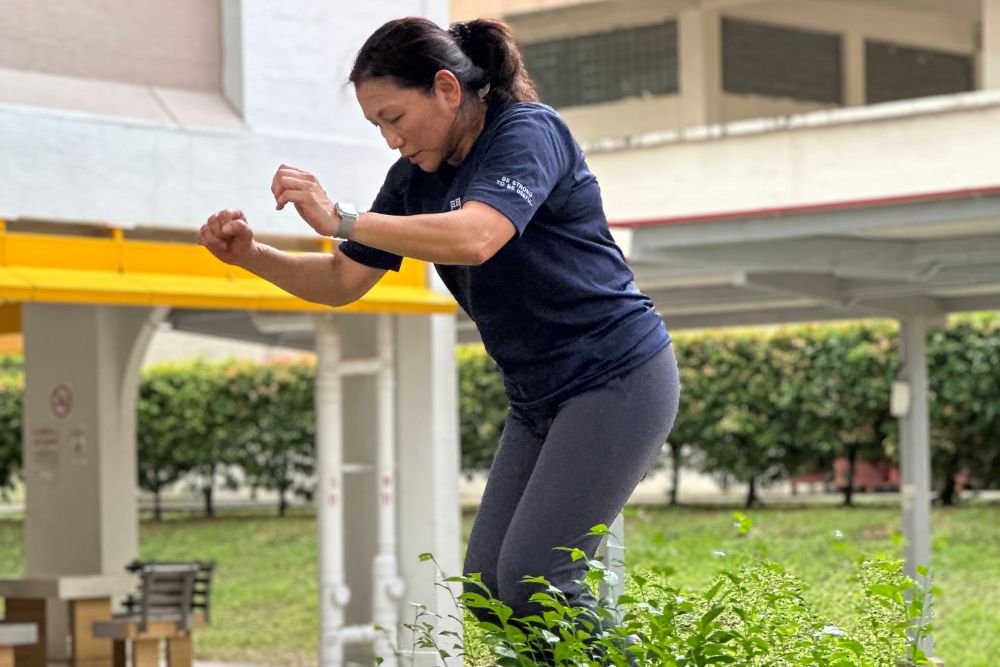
[(761, 59), (605, 66), (894, 72)]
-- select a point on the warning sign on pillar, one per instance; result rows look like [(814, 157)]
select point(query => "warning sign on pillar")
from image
[(61, 401), (44, 453)]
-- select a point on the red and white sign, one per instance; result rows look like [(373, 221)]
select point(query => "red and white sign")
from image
[(61, 401)]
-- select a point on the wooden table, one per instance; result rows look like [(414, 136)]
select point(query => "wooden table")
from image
[(13, 635), (63, 609)]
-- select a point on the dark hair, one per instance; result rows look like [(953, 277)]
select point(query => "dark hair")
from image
[(410, 51)]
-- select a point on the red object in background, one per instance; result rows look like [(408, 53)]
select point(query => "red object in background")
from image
[(868, 477)]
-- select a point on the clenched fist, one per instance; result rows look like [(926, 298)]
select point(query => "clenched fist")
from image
[(227, 235)]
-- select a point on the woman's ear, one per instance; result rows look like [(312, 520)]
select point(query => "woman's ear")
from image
[(448, 88)]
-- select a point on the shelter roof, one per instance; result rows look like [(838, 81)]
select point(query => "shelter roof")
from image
[(110, 266)]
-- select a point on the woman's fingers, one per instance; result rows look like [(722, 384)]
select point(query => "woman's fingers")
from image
[(235, 227), (290, 184), (221, 230), (285, 171), (295, 197)]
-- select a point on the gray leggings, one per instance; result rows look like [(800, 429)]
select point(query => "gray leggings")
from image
[(558, 472)]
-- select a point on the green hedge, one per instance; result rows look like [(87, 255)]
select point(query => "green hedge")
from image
[(202, 421), (756, 406), (760, 405)]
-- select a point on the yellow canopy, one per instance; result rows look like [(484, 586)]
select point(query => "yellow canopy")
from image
[(117, 271)]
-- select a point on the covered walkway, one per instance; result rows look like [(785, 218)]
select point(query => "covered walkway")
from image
[(88, 300)]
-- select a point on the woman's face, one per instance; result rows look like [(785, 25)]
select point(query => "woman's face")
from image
[(421, 126)]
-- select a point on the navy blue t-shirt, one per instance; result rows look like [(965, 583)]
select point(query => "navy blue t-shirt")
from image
[(556, 306)]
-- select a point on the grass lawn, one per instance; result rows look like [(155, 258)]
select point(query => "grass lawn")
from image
[(265, 599)]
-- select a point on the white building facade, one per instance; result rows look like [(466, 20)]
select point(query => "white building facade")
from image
[(123, 125)]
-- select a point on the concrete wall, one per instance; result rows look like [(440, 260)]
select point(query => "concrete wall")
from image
[(465, 10), (154, 61), (899, 148), (286, 65), (931, 25), (172, 44), (989, 64)]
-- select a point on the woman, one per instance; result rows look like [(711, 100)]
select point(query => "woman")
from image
[(492, 188)]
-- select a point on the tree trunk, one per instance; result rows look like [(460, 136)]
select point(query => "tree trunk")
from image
[(282, 502), (752, 498), (208, 493), (948, 494), (157, 507), (852, 461), (675, 473)]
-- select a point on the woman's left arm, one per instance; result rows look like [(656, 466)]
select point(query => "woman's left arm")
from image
[(470, 235)]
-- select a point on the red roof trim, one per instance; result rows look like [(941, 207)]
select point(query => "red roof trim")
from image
[(812, 208)]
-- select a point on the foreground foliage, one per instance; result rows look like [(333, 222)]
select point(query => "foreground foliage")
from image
[(265, 599), (754, 615)]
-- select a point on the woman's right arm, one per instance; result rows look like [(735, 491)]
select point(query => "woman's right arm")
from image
[(332, 279)]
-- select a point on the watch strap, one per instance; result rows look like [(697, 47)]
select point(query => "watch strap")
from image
[(347, 219)]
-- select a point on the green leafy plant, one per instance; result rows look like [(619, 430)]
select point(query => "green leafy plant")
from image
[(753, 615)]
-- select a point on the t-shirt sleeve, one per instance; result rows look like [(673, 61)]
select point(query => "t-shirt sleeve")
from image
[(528, 154), (389, 201)]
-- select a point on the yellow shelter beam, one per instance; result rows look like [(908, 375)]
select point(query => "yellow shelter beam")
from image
[(55, 268)]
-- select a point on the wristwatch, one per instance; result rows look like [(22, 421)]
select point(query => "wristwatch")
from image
[(348, 216)]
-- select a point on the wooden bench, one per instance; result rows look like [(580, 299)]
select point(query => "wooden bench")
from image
[(15, 634), (173, 599)]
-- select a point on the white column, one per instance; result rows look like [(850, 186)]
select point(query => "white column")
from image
[(232, 52), (81, 385), (334, 593), (361, 520), (915, 455), (612, 552), (285, 64), (429, 466), (700, 66), (81, 379), (853, 57), (989, 58)]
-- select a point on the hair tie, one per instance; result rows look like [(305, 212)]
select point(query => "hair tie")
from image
[(461, 32)]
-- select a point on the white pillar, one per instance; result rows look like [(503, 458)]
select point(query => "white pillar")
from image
[(854, 75), (429, 466), (333, 591), (699, 46), (81, 379), (262, 39), (81, 385), (989, 58), (361, 446), (915, 454), (612, 552)]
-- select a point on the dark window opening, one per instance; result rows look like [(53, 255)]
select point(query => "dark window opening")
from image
[(605, 66), (895, 72), (762, 59)]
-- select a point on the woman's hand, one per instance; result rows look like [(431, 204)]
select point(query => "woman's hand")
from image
[(302, 189), (227, 235)]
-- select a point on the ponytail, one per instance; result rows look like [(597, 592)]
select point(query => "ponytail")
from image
[(482, 54), (491, 47)]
